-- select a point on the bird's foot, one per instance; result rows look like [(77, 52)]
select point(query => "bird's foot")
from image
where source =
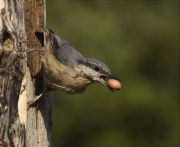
[(29, 104)]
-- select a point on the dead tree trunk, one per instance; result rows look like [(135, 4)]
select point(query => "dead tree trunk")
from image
[(21, 76)]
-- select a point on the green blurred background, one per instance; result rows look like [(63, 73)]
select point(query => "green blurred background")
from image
[(139, 42)]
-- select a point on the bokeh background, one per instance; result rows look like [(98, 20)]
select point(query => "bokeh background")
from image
[(139, 42)]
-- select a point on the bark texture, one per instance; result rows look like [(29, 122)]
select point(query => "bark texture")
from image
[(21, 76)]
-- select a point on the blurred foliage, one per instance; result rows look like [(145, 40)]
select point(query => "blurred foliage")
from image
[(139, 41)]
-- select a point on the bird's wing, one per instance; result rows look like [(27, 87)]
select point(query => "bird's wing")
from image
[(64, 52)]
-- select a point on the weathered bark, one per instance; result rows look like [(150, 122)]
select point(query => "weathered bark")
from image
[(21, 76)]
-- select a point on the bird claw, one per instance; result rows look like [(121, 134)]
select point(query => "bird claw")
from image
[(29, 104)]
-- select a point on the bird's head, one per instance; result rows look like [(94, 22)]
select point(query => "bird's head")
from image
[(96, 71)]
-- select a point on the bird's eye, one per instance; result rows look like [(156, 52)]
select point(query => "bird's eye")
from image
[(97, 68)]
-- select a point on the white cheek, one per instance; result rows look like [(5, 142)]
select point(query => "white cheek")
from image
[(89, 72)]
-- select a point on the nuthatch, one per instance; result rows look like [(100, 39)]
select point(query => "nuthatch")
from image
[(67, 69)]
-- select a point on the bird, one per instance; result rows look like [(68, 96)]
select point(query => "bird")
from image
[(67, 69)]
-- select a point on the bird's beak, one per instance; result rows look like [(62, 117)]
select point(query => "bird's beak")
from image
[(102, 80)]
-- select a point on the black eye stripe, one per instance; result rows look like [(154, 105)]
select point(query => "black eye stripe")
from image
[(93, 64), (96, 68)]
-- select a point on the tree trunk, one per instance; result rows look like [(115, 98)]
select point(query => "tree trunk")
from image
[(21, 76)]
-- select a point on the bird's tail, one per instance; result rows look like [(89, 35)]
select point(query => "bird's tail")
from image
[(46, 29), (48, 35)]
